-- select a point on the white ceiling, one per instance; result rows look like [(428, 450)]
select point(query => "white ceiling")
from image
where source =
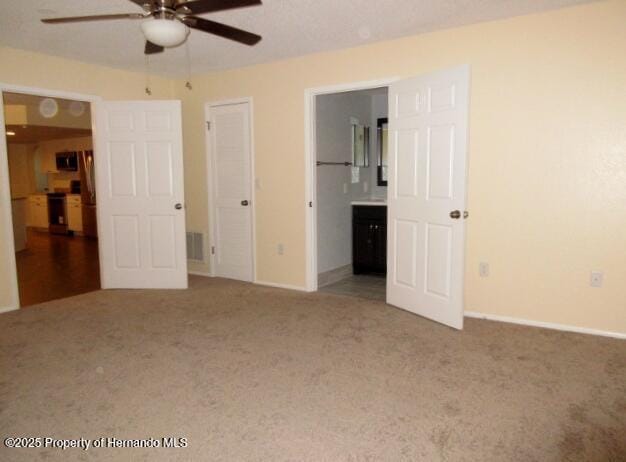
[(289, 28)]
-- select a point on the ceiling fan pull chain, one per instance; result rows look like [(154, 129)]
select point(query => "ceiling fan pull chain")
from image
[(188, 56), (147, 62)]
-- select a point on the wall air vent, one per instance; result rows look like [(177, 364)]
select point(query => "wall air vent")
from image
[(195, 246)]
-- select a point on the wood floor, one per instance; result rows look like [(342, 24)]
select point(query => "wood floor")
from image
[(54, 266)]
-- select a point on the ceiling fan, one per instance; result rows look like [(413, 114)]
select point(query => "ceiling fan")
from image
[(166, 22)]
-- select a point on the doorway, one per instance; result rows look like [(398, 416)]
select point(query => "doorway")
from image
[(428, 118), (351, 193), (53, 200), (138, 167)]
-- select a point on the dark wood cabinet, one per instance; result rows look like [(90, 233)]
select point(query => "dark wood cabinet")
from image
[(369, 239)]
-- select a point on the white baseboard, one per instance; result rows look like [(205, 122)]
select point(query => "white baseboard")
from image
[(6, 309), (545, 325), (281, 286), (200, 273)]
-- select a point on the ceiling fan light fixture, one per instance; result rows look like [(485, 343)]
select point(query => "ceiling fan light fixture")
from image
[(164, 32)]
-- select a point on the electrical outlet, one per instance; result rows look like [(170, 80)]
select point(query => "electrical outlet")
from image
[(280, 248), (345, 188), (483, 269), (366, 186), (597, 278)]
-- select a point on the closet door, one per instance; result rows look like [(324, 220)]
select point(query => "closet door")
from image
[(230, 152)]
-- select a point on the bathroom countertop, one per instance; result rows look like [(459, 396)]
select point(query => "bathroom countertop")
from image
[(371, 201)]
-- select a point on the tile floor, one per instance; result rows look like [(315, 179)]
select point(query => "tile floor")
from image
[(359, 285)]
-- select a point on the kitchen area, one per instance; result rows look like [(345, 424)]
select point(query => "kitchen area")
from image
[(67, 206), (52, 182)]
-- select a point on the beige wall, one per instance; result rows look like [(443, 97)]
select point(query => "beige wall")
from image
[(547, 179), (23, 68)]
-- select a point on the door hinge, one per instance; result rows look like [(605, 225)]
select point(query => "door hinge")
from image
[(208, 125), (310, 203), (212, 250)]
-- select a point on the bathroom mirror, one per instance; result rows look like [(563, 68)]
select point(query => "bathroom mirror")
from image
[(381, 162), (360, 145)]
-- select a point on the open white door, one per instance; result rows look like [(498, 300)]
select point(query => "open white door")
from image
[(140, 195), (428, 118)]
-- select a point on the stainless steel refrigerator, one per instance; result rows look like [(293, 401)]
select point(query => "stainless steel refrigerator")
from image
[(88, 194)]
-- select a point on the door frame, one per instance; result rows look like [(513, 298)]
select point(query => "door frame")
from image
[(209, 174), (5, 190), (310, 159)]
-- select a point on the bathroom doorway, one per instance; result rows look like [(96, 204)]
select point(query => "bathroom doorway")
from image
[(351, 191)]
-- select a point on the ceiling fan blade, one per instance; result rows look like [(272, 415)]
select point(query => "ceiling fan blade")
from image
[(209, 6), (100, 17), (216, 28), (152, 48)]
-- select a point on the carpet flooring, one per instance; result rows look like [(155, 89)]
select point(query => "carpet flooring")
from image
[(248, 373)]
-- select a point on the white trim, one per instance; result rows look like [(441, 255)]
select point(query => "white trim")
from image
[(545, 325), (50, 93), (209, 177), (7, 205), (7, 309), (252, 183), (281, 286), (310, 213), (5, 193), (209, 162), (200, 273)]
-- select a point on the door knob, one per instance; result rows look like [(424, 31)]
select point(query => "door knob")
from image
[(455, 214), (178, 206), (244, 203)]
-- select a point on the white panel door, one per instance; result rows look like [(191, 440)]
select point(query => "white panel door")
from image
[(231, 159), (428, 118), (139, 182)]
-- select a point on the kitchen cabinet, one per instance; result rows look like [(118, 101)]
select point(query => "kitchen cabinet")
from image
[(74, 213), (369, 239), (37, 211), (48, 161), (18, 209)]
